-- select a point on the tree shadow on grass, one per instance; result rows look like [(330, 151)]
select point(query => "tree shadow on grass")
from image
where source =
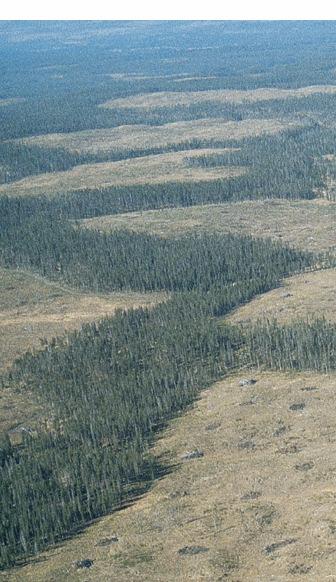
[(153, 470)]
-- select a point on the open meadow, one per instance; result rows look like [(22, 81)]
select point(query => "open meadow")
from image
[(169, 99), (308, 225), (131, 138), (152, 169)]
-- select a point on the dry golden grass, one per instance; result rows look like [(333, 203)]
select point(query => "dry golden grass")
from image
[(33, 309), (306, 224), (154, 169), (306, 295), (139, 137), (267, 477), (171, 98)]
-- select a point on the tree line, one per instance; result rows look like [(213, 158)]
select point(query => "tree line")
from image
[(289, 165), (110, 386)]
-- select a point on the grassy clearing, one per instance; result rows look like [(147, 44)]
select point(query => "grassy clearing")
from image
[(32, 310), (259, 503), (171, 99), (154, 169), (306, 224), (140, 137), (301, 296)]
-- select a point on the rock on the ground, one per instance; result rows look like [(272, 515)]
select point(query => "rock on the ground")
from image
[(196, 454), (192, 550), (87, 563), (247, 382)]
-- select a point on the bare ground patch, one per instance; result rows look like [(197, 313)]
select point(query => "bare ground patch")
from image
[(140, 137), (259, 503), (170, 98), (308, 225), (153, 169)]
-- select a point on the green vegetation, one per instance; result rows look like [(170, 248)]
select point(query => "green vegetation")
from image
[(109, 387), (115, 383), (124, 260), (20, 160), (289, 165), (303, 345)]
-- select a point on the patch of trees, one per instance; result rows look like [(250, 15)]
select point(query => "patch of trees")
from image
[(301, 345), (82, 112), (110, 389), (287, 165), (125, 260), (110, 386), (19, 160)]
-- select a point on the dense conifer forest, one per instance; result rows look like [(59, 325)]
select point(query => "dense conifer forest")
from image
[(108, 388)]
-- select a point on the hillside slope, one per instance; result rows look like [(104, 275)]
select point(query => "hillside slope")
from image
[(258, 504), (306, 224)]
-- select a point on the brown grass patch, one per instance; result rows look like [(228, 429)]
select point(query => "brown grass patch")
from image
[(33, 309), (306, 224), (171, 98), (140, 137), (306, 295), (154, 169), (260, 502)]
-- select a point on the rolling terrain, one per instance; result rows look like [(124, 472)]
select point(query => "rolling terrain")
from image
[(308, 225), (165, 99), (154, 169), (131, 138), (33, 309), (257, 503), (263, 454), (167, 304)]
